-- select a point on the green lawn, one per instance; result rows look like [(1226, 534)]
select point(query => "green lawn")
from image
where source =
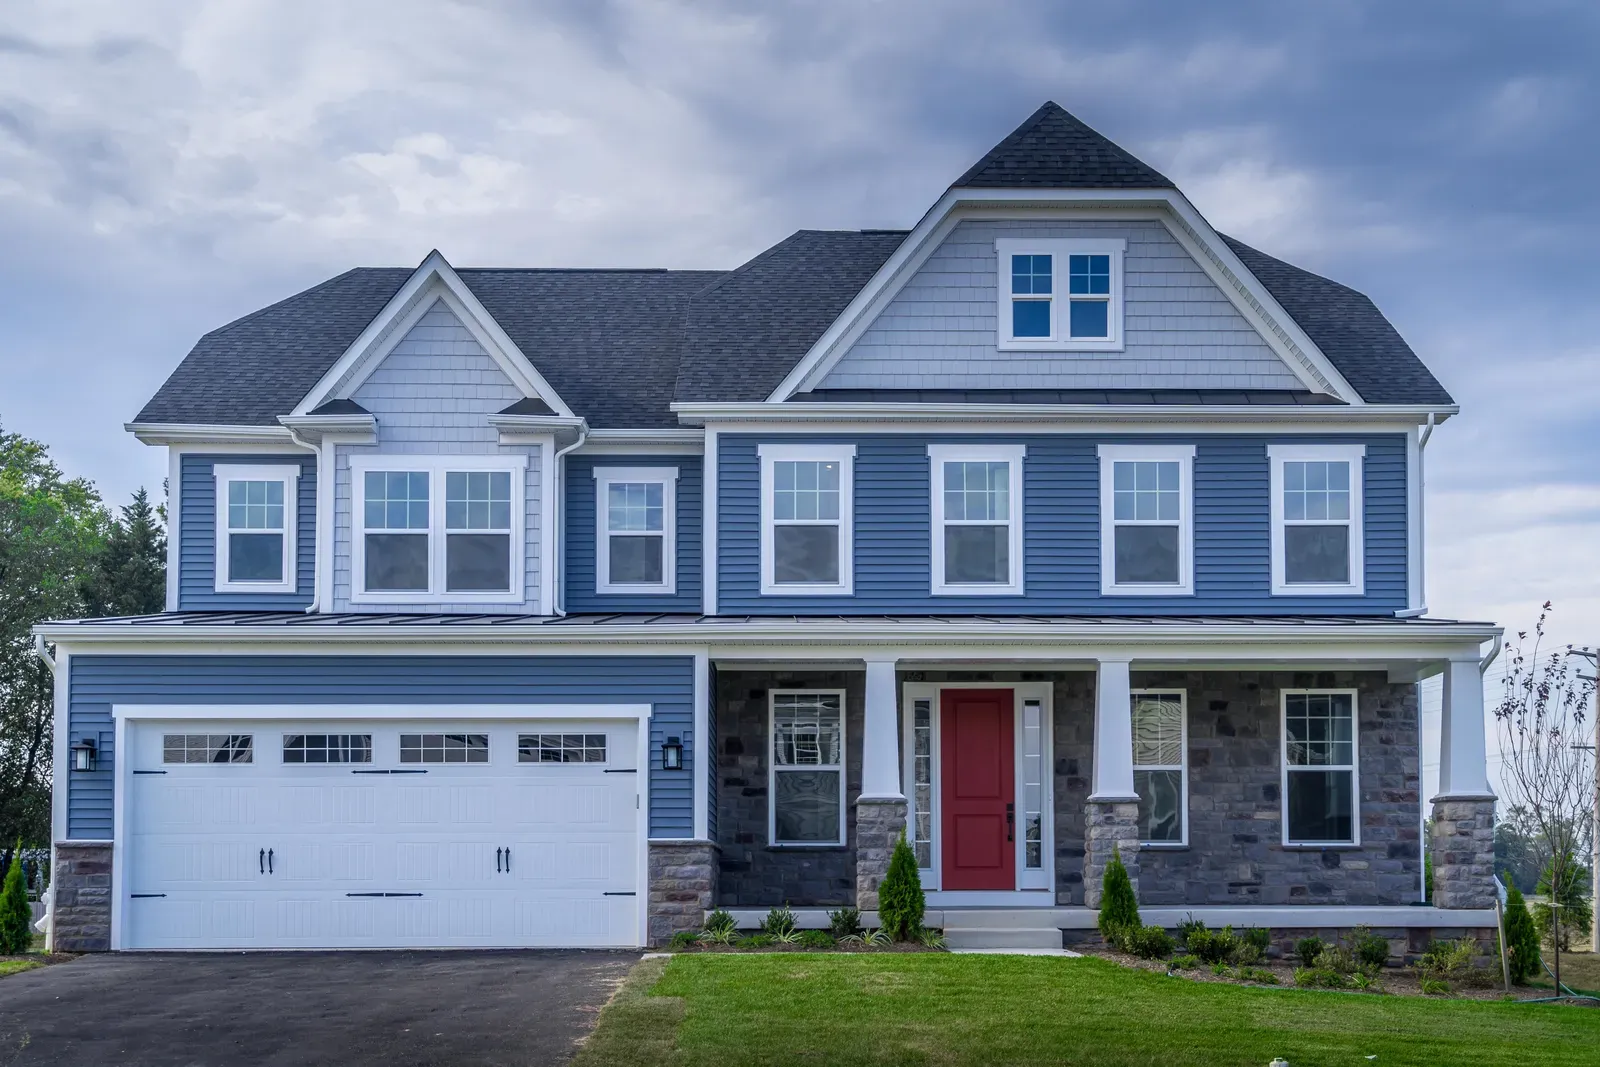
[(14, 966), (945, 1009)]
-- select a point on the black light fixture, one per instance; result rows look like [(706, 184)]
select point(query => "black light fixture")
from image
[(672, 754), (84, 754)]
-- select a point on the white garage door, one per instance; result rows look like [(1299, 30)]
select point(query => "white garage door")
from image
[(382, 834)]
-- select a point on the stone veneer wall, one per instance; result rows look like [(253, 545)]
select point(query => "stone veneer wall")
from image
[(80, 917), (751, 872), (683, 882)]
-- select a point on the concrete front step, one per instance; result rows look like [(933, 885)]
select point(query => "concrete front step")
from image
[(1000, 937), (997, 919)]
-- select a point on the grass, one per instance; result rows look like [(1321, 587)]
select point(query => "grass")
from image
[(1580, 972), (17, 966), (948, 1009)]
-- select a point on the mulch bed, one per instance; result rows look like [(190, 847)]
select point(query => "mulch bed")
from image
[(896, 946), (1395, 981)]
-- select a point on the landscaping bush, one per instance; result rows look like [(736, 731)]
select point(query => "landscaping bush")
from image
[(1257, 938), (1188, 926), (1146, 942), (1185, 963), (756, 941), (1451, 962), (900, 899), (16, 918), (1119, 908), (1212, 946), (844, 921), (780, 926), (719, 922), (1434, 987), (1361, 980), (1522, 938), (1336, 958), (817, 939), (1307, 949), (1368, 948), (1319, 978), (931, 938), (1257, 974), (683, 939)]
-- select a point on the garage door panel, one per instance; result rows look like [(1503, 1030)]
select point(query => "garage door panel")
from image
[(171, 861), (331, 804)]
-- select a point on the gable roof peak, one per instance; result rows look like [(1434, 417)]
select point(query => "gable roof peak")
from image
[(1054, 149)]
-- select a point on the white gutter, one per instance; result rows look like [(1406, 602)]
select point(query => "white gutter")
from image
[(43, 652), (558, 539), (1422, 521), (163, 433)]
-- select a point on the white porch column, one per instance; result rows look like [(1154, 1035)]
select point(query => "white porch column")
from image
[(880, 735), (1113, 735), (1463, 812), (1463, 747)]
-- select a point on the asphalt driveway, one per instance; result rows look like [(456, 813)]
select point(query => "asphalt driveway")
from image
[(398, 1009)]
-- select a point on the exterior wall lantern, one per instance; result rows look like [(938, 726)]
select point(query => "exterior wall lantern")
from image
[(84, 755), (672, 754)]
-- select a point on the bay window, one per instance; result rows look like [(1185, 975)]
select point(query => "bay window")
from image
[(255, 535)]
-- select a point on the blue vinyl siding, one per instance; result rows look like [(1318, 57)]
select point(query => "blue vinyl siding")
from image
[(197, 536), (665, 682), (1061, 532), (580, 544)]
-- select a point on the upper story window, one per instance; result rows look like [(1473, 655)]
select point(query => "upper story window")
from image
[(1317, 541), (255, 528), (1319, 768), (636, 529), (1146, 520), (806, 510), (977, 518), (1060, 294), (1161, 766), (438, 528)]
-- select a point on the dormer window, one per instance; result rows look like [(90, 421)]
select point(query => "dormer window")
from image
[(1060, 294)]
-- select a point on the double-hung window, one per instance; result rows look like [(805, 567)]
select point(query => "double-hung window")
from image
[(1160, 766), (977, 518), (1060, 294), (1146, 520), (1317, 541), (438, 528), (807, 768), (1319, 768), (256, 528), (806, 509), (635, 509)]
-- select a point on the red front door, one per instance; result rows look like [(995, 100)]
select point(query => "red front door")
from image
[(979, 789)]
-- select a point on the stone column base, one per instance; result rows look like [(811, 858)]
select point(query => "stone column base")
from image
[(80, 917), (1111, 828), (683, 887), (879, 824), (1463, 852)]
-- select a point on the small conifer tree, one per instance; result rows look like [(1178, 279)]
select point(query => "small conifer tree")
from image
[(1119, 908), (16, 920), (900, 899), (1522, 937)]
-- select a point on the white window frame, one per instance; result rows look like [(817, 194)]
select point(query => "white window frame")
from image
[(1183, 456), (289, 475), (1183, 764), (938, 456), (1354, 766), (436, 467), (844, 455), (667, 478), (1059, 249), (773, 771), (1355, 455)]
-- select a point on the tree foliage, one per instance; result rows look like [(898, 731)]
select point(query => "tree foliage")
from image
[(900, 899), (1567, 885), (1522, 938), (16, 918), (1119, 907), (129, 574)]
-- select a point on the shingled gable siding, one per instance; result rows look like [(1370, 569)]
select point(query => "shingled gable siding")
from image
[(431, 395), (197, 535), (1181, 331), (579, 558), (1061, 531), (665, 682)]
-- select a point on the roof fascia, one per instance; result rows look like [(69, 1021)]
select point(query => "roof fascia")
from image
[(888, 417), (433, 279), (315, 427), (1297, 351), (166, 433)]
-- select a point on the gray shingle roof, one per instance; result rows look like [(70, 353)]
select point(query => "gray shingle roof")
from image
[(1350, 330), (1054, 149)]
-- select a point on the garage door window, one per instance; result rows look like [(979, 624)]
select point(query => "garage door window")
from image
[(327, 748), (561, 748), (444, 748), (206, 748)]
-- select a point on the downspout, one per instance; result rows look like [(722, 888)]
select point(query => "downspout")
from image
[(42, 650), (558, 536), (1422, 521), (316, 547)]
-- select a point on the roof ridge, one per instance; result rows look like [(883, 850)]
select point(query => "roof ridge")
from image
[(1073, 155)]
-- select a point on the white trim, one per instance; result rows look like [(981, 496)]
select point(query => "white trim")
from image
[(174, 527), (702, 755), (1059, 248), (1277, 455), (1183, 767), (1168, 206), (844, 455), (212, 438), (436, 467), (884, 418), (667, 478), (841, 768), (710, 495), (289, 476), (938, 456), (228, 712), (549, 536), (1183, 455), (1354, 766), (434, 279), (61, 728)]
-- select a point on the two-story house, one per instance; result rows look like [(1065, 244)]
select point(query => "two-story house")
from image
[(553, 607)]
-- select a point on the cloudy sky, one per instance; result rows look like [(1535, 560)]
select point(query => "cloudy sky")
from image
[(168, 166)]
